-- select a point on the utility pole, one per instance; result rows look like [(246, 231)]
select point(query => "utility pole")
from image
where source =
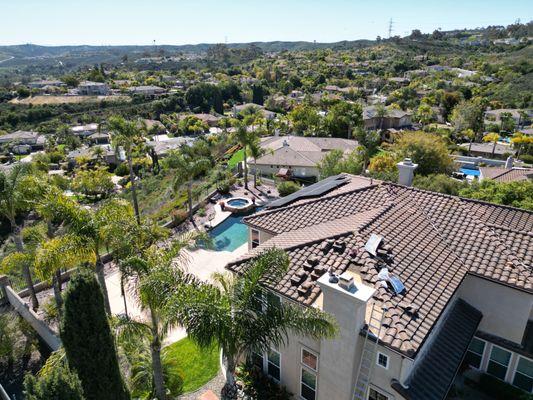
[(390, 27)]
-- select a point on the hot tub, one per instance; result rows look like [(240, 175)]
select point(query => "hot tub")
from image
[(238, 204)]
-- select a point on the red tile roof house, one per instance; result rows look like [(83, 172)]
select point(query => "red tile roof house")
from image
[(468, 288)]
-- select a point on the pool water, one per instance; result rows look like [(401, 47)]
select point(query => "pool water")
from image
[(230, 234), (237, 202), (468, 171)]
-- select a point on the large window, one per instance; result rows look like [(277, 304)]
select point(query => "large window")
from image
[(382, 360), (475, 353), (308, 384), (499, 362), (523, 377), (257, 360), (274, 364), (373, 394), (255, 238)]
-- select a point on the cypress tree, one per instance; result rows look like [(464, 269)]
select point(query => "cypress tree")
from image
[(88, 341)]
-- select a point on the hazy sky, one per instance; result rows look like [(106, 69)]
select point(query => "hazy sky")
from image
[(55, 22)]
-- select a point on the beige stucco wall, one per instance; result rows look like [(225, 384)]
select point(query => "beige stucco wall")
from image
[(263, 237), (505, 310), (268, 170)]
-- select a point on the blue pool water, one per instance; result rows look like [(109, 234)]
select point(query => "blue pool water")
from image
[(237, 202), (468, 171), (230, 234)]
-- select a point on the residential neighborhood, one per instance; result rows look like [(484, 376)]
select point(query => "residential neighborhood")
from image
[(251, 208)]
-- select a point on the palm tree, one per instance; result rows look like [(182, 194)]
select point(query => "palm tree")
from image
[(492, 137), (245, 138), (17, 192), (126, 135), (381, 113), (368, 145), (187, 167), (256, 151), (236, 314), (158, 277), (470, 135)]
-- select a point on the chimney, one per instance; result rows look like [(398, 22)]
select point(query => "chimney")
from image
[(406, 170), (346, 301), (509, 162)]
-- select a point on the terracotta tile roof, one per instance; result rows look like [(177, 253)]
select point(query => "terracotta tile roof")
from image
[(434, 241), (506, 174)]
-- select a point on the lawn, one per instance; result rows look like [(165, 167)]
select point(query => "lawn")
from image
[(236, 158), (195, 366)]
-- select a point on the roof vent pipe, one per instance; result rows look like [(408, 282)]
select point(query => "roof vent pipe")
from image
[(406, 170), (509, 162)]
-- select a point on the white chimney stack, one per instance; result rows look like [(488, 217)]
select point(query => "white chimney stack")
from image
[(509, 162), (406, 170)]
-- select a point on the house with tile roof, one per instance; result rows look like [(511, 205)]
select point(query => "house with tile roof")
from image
[(299, 155), (506, 175), (448, 280)]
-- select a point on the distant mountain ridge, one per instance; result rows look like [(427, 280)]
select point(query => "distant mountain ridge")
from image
[(33, 50)]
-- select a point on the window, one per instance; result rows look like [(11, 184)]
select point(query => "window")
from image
[(474, 353), (373, 394), (272, 300), (308, 385), (383, 360), (523, 377), (255, 238), (309, 359), (274, 364), (257, 360), (499, 362)]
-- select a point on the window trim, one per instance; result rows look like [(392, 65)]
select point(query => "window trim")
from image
[(278, 366), (377, 360), (506, 366), (515, 371), (302, 358), (485, 346), (302, 368), (381, 392), (252, 241)]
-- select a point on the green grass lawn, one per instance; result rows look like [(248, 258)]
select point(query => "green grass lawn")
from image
[(195, 366), (236, 158)]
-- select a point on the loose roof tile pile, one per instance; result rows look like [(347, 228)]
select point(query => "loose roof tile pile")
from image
[(431, 240)]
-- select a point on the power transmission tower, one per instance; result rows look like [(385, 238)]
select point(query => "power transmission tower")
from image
[(390, 27)]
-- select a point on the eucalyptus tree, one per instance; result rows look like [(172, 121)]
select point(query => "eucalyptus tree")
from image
[(126, 135), (19, 188), (236, 313), (158, 274)]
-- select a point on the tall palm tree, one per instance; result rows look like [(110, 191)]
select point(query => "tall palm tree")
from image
[(158, 276), (492, 137), (236, 314), (381, 113), (245, 138), (17, 193), (256, 151), (127, 135), (187, 167)]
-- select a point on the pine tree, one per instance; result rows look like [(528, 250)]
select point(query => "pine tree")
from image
[(61, 384), (88, 342)]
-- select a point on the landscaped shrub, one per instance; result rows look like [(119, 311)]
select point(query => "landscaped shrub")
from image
[(179, 215), (288, 187), (122, 170), (257, 385), (224, 187), (527, 158)]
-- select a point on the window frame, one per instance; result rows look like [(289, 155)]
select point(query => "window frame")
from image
[(490, 360), (517, 372), (310, 371), (377, 360), (378, 392), (255, 243), (310, 352), (485, 343), (267, 359)]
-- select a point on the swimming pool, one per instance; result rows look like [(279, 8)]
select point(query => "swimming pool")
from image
[(468, 171), (230, 234)]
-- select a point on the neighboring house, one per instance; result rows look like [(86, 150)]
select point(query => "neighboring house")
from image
[(296, 156), (99, 138), (84, 130), (23, 142), (209, 119), (266, 113), (484, 149), (147, 91), (88, 88), (44, 83), (512, 174), (440, 280), (393, 118), (109, 155), (516, 114), (163, 144)]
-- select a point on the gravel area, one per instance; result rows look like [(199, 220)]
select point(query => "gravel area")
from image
[(214, 385)]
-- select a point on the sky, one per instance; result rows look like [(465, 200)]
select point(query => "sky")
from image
[(121, 22)]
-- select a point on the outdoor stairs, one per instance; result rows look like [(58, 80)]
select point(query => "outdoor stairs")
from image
[(368, 355)]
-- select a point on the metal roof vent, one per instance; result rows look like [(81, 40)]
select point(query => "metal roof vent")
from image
[(373, 243)]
